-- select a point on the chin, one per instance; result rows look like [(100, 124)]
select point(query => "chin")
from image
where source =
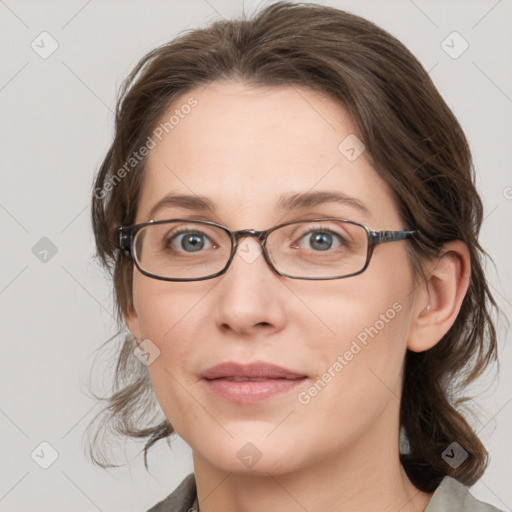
[(256, 454)]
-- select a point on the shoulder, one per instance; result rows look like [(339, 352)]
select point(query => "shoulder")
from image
[(181, 499), (452, 496)]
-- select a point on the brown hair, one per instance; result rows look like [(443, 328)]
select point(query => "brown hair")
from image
[(416, 145)]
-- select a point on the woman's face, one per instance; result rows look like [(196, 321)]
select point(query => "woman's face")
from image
[(343, 341)]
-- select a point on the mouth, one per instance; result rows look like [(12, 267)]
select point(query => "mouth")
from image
[(249, 383)]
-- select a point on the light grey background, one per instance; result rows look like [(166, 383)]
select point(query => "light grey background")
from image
[(56, 125)]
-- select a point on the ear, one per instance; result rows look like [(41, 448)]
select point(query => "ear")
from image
[(440, 297)]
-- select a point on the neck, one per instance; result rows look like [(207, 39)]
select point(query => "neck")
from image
[(354, 481)]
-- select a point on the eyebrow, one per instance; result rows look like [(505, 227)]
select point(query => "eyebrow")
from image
[(290, 202), (286, 203)]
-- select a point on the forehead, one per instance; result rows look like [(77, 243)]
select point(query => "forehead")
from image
[(245, 147)]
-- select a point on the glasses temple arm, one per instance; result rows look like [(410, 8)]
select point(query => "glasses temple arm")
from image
[(382, 237), (124, 240)]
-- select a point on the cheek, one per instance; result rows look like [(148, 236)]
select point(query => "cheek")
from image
[(172, 317), (167, 310), (358, 369), (362, 327), (364, 350), (369, 306)]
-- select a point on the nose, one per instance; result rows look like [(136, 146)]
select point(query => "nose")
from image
[(249, 300)]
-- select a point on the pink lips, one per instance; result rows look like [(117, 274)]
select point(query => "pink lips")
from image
[(249, 383)]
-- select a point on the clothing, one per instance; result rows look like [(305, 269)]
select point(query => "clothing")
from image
[(450, 496), (181, 499)]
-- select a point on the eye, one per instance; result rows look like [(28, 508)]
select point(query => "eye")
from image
[(188, 241), (322, 240)]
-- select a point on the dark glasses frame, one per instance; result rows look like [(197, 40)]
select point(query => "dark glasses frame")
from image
[(125, 237)]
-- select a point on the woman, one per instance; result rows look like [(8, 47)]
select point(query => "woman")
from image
[(289, 212)]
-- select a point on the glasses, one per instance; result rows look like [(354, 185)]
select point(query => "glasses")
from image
[(194, 250)]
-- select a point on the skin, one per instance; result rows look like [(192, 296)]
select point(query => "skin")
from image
[(243, 147)]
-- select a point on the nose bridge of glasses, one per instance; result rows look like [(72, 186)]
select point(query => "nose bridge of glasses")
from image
[(253, 233)]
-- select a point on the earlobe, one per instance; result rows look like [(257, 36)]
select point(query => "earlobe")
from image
[(441, 296)]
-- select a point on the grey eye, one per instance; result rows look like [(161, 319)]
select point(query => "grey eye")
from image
[(322, 240)]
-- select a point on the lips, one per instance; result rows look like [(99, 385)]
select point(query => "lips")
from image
[(249, 372), (247, 383)]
